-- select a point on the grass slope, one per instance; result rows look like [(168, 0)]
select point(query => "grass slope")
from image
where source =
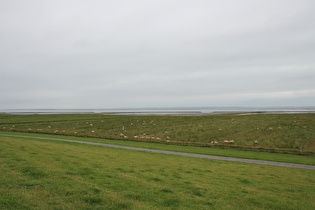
[(39, 174)]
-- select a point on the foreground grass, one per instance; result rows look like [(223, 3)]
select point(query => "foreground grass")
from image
[(39, 174), (289, 132)]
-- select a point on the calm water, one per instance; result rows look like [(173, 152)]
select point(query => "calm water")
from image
[(168, 111)]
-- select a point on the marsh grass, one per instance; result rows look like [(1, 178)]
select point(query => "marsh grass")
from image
[(273, 132), (39, 174)]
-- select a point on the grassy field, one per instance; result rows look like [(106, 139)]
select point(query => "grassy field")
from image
[(42, 174), (286, 132)]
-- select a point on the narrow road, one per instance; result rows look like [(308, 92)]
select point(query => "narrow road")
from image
[(263, 162)]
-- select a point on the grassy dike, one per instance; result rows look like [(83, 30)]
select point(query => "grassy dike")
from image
[(43, 174)]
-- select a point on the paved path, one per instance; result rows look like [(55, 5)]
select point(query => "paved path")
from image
[(264, 162)]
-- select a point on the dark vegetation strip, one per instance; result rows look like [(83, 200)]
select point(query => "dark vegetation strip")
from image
[(263, 162), (6, 119)]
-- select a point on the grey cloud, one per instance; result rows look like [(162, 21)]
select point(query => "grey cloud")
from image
[(83, 54)]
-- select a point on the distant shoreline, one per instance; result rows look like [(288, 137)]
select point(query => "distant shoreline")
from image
[(169, 111)]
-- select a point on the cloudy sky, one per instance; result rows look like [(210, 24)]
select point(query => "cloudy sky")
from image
[(166, 53)]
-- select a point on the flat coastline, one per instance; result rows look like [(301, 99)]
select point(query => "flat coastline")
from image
[(169, 111)]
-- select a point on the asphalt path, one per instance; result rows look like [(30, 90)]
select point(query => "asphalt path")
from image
[(263, 162)]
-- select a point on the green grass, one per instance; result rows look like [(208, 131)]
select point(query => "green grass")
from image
[(37, 118), (43, 174), (229, 152), (281, 132)]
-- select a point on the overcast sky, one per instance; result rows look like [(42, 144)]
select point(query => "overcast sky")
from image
[(165, 53)]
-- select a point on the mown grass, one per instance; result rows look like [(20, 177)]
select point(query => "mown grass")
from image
[(289, 132), (226, 151), (40, 174)]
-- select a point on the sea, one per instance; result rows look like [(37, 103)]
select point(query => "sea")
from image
[(168, 111)]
